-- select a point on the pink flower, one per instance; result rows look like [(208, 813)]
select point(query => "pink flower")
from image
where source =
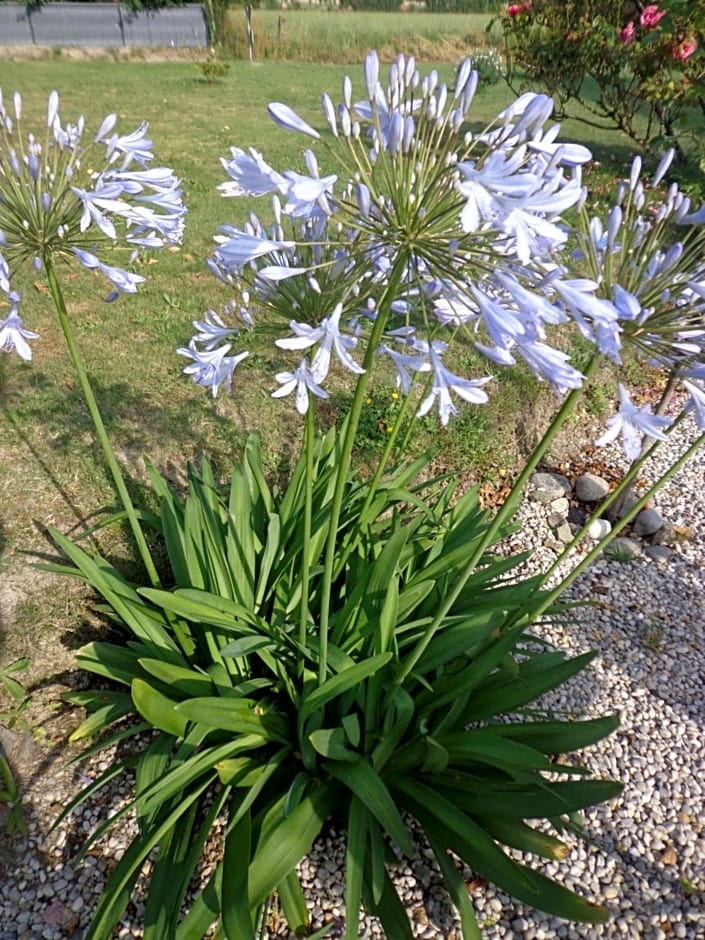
[(627, 34), (683, 50), (514, 9), (651, 15)]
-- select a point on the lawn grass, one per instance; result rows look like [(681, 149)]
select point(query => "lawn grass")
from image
[(50, 469)]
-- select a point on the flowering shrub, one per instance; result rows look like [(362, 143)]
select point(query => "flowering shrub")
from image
[(647, 62), (358, 649)]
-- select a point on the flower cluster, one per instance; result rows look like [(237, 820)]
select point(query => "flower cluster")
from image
[(53, 205), (681, 47), (432, 234), (648, 254), (466, 223)]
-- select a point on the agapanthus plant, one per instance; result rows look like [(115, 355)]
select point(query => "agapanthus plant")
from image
[(55, 208), (358, 649)]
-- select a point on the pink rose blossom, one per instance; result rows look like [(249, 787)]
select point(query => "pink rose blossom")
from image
[(514, 9), (651, 15), (683, 50), (627, 34)]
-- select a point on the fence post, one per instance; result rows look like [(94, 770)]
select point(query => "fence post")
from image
[(122, 28), (250, 37)]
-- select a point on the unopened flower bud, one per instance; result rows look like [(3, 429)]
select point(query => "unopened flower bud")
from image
[(363, 200), (329, 112), (33, 166), (636, 170)]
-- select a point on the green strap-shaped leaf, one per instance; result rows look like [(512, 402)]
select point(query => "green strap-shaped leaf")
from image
[(115, 589), (159, 710), (269, 555), (456, 888), (241, 715), (119, 706), (204, 911), (166, 881), (368, 786), (236, 913), (356, 850), (463, 835), (560, 737), (397, 718), (390, 910), (483, 747), (152, 764), (187, 683), (467, 839), (525, 801), (286, 842), (183, 776), (244, 646), (446, 689), (376, 871), (336, 685), (117, 891), (502, 693), (204, 607), (518, 835), (169, 883), (293, 904), (333, 744)]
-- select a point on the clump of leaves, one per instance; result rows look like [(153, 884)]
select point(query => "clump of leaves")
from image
[(409, 722)]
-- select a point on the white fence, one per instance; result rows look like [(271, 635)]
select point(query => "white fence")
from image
[(101, 24)]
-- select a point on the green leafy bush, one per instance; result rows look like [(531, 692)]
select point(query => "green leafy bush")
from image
[(217, 665), (646, 62)]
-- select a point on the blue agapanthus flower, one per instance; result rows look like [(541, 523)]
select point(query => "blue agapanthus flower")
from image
[(52, 205)]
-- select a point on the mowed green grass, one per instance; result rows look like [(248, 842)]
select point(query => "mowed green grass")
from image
[(344, 36)]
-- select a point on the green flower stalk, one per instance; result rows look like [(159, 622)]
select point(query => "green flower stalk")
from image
[(53, 209)]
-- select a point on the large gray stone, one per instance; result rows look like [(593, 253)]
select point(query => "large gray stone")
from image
[(546, 487), (589, 488), (648, 522), (659, 553)]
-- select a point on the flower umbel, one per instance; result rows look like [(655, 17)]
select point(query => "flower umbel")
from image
[(421, 205), (52, 205)]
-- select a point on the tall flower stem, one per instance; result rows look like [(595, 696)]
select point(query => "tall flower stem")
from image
[(306, 550), (384, 460), (503, 514), (634, 510), (101, 433), (606, 508), (353, 420)]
